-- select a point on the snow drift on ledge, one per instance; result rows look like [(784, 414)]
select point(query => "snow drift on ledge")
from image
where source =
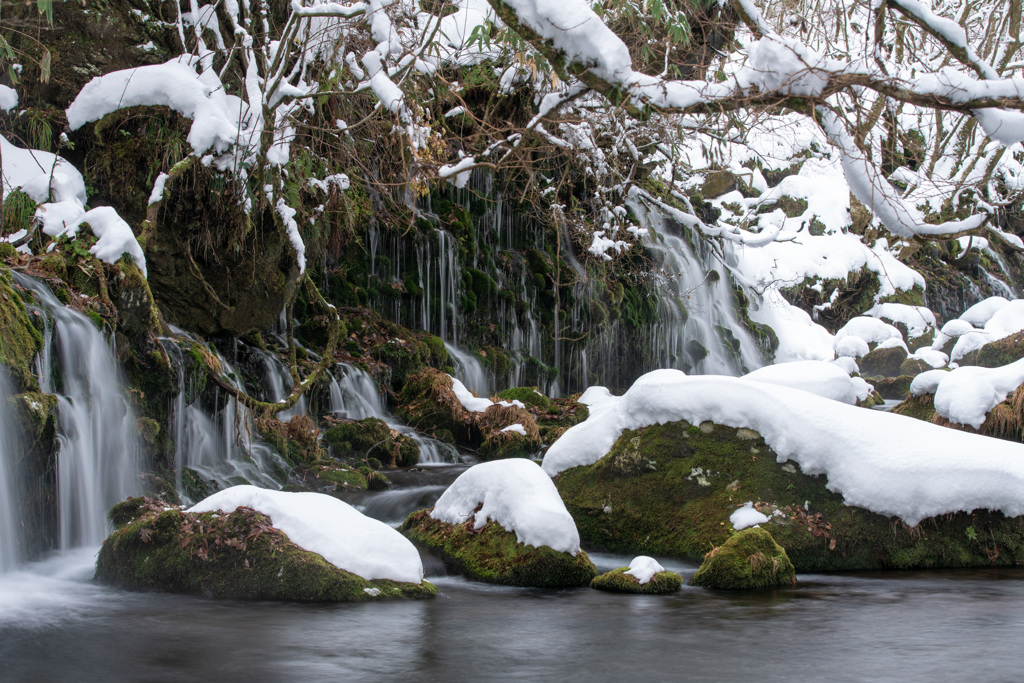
[(517, 495), (330, 528), (889, 464)]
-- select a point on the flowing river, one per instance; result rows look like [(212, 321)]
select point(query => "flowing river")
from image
[(55, 624)]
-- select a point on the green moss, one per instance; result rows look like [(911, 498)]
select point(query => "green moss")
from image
[(883, 362), (528, 396), (894, 388), (749, 560), (19, 338), (999, 353), (669, 490), (618, 581), (342, 477), (918, 407), (371, 438), (493, 555), (239, 555)]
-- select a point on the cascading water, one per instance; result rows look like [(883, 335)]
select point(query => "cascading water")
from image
[(9, 553), (100, 452), (217, 443), (355, 397), (697, 329)]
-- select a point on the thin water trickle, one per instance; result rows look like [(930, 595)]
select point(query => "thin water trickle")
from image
[(355, 396), (10, 555)]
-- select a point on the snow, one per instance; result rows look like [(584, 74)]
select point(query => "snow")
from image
[(517, 428), (41, 175), (851, 347), (889, 464), (330, 528), (746, 516), (933, 357), (823, 378), (157, 194), (871, 330), (470, 402), (918, 319), (643, 568), (981, 312), (44, 176), (115, 237), (927, 382), (216, 116), (966, 394), (516, 494), (1007, 320), (8, 98)]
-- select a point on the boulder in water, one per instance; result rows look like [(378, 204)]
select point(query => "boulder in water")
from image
[(503, 522), (751, 559), (643, 575), (239, 554)]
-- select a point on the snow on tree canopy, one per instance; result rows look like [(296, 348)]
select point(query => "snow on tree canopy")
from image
[(517, 495), (889, 464), (330, 528)]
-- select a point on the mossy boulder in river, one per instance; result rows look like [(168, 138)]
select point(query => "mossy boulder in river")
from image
[(503, 522), (883, 362), (234, 555), (372, 438), (493, 555), (749, 560), (643, 575), (669, 490)]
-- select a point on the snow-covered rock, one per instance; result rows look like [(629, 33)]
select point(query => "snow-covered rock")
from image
[(333, 529)]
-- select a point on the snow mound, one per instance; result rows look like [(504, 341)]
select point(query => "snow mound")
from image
[(824, 378), (918, 319), (927, 382), (746, 516), (1007, 320), (333, 529), (871, 330), (851, 347), (643, 568), (933, 357), (517, 495), (981, 312), (967, 394), (968, 342), (889, 464)]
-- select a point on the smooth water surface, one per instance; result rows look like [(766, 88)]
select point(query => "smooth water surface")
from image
[(936, 626)]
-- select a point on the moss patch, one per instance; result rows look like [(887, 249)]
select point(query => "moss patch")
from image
[(749, 560), (239, 555), (371, 438), (493, 555), (19, 339), (618, 581)]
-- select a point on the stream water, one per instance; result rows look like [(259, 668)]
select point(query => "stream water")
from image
[(55, 624)]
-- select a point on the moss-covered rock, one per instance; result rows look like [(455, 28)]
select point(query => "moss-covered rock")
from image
[(239, 555), (918, 407), (618, 581), (493, 555), (883, 362), (749, 560), (893, 388), (914, 367), (371, 438), (19, 339), (998, 353), (429, 404), (669, 490), (528, 396)]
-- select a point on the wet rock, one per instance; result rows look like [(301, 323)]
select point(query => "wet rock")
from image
[(494, 555), (749, 560), (883, 362), (238, 555)]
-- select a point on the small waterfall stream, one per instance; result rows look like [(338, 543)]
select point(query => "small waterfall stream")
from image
[(355, 396), (100, 451), (10, 554), (216, 441)]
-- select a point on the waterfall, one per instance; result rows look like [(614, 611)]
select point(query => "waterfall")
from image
[(99, 460), (698, 330), (9, 513), (470, 371), (355, 396), (218, 442)]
